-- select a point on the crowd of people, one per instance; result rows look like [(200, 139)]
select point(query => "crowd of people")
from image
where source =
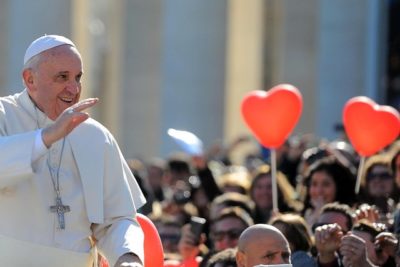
[(321, 220)]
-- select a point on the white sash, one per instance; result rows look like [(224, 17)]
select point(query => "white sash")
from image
[(15, 253)]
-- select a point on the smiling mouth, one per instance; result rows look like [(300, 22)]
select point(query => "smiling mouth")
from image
[(67, 99)]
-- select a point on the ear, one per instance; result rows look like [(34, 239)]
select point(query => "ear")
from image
[(240, 259), (27, 76)]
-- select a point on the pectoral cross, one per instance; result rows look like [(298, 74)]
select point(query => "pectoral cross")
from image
[(60, 209)]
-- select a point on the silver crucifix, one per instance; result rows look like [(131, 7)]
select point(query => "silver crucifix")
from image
[(60, 209)]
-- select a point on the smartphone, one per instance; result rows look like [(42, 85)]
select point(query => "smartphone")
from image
[(196, 226)]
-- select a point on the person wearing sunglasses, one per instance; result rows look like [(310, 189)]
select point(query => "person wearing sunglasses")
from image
[(225, 231), (379, 187)]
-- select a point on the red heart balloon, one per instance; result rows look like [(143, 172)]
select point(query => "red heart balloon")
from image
[(153, 250), (272, 115), (369, 126)]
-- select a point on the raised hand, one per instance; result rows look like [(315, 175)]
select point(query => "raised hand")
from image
[(188, 246), (354, 252), (67, 121), (327, 241)]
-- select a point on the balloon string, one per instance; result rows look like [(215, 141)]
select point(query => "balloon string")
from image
[(359, 174), (274, 181)]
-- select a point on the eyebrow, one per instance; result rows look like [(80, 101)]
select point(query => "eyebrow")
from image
[(269, 253), (67, 72), (62, 72)]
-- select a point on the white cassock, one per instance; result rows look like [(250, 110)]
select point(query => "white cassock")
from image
[(95, 182)]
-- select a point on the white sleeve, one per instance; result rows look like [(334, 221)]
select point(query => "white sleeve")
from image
[(119, 236), (39, 149), (16, 158), (119, 232)]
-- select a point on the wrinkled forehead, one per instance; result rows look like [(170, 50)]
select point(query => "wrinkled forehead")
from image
[(272, 242), (62, 50), (61, 58), (280, 248)]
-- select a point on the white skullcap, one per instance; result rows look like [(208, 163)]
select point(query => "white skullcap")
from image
[(44, 43)]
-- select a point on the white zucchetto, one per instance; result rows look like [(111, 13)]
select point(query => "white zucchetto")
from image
[(44, 43)]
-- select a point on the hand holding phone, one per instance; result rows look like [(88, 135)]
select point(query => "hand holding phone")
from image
[(196, 226)]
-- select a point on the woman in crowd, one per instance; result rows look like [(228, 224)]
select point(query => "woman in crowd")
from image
[(379, 187), (261, 194), (327, 181)]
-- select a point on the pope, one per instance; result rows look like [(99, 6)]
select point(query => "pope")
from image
[(66, 191)]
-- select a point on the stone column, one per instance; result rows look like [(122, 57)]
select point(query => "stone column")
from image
[(244, 65)]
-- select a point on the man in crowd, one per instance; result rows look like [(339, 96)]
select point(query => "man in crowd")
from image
[(262, 244)]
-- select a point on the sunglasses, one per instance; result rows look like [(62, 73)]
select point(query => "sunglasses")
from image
[(230, 234)]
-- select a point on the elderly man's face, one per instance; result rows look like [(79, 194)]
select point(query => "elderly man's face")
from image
[(56, 81), (271, 249)]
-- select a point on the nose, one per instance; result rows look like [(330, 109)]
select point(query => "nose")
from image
[(74, 87), (319, 190), (222, 244), (226, 242)]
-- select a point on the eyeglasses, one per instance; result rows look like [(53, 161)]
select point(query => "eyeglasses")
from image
[(382, 176), (231, 234)]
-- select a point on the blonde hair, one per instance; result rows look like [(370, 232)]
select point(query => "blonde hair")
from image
[(237, 178)]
